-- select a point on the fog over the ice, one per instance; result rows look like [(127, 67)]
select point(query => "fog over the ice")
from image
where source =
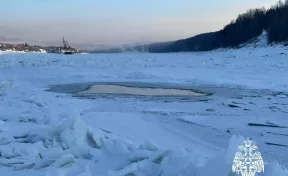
[(116, 22)]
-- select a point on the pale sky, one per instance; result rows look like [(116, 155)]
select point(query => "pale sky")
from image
[(116, 21)]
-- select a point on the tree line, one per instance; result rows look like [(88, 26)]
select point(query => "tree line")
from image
[(246, 27)]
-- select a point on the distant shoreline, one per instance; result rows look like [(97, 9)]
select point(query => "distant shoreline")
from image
[(27, 48)]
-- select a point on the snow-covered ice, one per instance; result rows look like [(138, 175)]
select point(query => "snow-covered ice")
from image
[(48, 133)]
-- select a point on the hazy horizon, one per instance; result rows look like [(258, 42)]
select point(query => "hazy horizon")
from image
[(114, 23)]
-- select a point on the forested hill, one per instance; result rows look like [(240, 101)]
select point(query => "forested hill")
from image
[(246, 27)]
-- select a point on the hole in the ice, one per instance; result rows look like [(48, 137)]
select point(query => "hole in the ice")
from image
[(138, 91)]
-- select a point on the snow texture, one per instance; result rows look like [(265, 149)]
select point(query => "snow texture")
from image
[(53, 134)]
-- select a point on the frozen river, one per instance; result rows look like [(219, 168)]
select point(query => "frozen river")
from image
[(141, 114)]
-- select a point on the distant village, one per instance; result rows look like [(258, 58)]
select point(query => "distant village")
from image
[(25, 47)]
